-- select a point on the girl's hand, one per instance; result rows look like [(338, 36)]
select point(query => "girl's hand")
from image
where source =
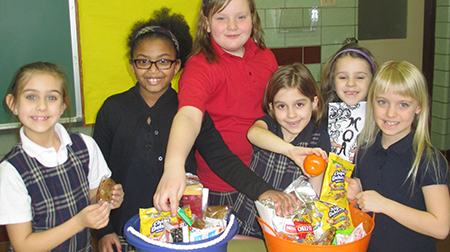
[(94, 216), (298, 155), (354, 187), (117, 196), (352, 158), (335, 146), (169, 191), (105, 244), (283, 202), (370, 201)]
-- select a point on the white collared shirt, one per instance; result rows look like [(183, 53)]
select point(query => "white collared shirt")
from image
[(15, 203)]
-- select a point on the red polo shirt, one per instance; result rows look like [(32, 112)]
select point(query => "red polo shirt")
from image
[(231, 90)]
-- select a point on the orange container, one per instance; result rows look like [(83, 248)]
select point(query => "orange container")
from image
[(277, 244)]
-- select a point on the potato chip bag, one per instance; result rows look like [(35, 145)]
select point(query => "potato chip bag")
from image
[(304, 228), (334, 188)]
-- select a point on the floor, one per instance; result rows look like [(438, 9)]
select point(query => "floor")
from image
[(442, 245)]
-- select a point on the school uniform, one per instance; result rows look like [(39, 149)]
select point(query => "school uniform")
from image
[(135, 151), (48, 187), (385, 171), (276, 169), (231, 90)]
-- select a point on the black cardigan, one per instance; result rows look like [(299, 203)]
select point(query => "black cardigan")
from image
[(115, 133)]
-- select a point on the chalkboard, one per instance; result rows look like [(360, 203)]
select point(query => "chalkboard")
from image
[(43, 30)]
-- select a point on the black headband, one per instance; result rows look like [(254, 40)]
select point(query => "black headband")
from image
[(159, 29), (206, 2)]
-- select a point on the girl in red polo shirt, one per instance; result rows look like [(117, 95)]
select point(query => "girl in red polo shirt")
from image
[(226, 76)]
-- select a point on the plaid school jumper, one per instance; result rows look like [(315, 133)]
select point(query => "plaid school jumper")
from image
[(57, 193), (277, 170)]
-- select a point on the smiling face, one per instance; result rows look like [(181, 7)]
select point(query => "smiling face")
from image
[(394, 114), (292, 111), (231, 27), (352, 79), (154, 82), (39, 106)]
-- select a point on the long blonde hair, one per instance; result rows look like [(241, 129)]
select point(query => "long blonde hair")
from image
[(403, 78), (202, 41)]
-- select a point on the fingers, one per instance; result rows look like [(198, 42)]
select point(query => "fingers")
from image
[(117, 196), (106, 242), (284, 203), (333, 144), (319, 152)]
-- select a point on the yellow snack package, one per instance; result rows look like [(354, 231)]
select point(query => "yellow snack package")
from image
[(334, 216), (334, 188), (335, 205), (152, 222)]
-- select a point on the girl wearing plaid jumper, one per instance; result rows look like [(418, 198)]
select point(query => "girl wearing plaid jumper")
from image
[(284, 136), (49, 180)]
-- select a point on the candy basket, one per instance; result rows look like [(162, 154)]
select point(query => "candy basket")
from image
[(216, 243), (276, 244)]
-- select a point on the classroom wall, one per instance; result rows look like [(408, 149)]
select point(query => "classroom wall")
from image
[(334, 26), (440, 121)]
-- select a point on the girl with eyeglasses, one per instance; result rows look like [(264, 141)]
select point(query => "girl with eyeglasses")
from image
[(132, 128)]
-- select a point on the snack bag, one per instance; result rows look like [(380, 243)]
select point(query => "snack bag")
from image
[(334, 188), (304, 228), (334, 216), (104, 191), (192, 196), (152, 222), (334, 192)]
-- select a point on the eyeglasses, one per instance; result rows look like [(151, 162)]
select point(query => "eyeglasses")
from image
[(161, 64)]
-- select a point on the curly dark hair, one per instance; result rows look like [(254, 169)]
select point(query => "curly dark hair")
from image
[(175, 23)]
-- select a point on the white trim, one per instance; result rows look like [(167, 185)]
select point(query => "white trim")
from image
[(75, 61)]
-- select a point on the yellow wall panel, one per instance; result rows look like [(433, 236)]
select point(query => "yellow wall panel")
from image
[(104, 26)]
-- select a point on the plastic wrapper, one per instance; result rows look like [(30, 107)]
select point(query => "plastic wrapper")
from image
[(193, 196), (175, 233), (334, 216), (342, 236), (327, 237), (334, 188), (217, 212), (152, 222), (104, 190), (357, 233), (334, 191), (297, 226)]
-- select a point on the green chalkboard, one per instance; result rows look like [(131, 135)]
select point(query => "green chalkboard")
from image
[(36, 31)]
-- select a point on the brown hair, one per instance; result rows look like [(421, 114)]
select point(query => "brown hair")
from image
[(296, 76), (202, 42), (328, 73), (28, 71)]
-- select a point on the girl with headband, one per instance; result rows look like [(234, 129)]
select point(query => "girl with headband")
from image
[(345, 79), (132, 128)]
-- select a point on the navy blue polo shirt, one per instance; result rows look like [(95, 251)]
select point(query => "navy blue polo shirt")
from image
[(385, 171)]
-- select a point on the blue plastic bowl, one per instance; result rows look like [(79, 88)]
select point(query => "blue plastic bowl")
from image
[(142, 246)]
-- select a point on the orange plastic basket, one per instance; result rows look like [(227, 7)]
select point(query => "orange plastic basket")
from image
[(277, 244)]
